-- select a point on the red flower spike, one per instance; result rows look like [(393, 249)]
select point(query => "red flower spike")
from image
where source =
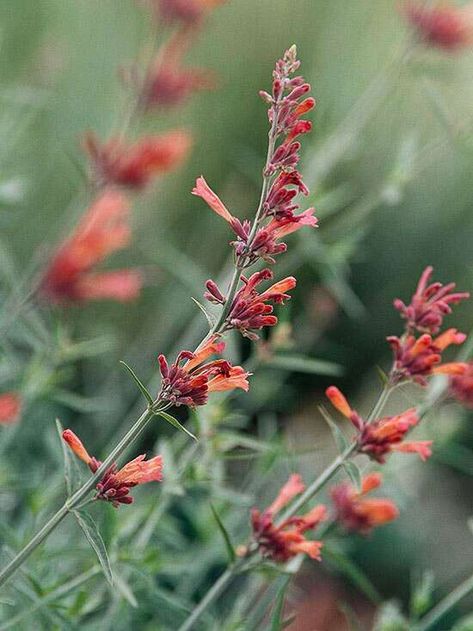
[(103, 230), (135, 165), (430, 304), (189, 380), (10, 408), (286, 540), (249, 310), (447, 27), (461, 386), (355, 512), (116, 483)]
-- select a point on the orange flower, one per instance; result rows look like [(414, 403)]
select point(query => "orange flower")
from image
[(382, 436), (203, 190), (103, 230), (135, 165), (286, 540), (461, 386), (446, 26), (189, 380), (10, 408), (356, 513), (116, 483)]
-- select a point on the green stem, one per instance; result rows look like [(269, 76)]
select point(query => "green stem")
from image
[(445, 605), (76, 499)]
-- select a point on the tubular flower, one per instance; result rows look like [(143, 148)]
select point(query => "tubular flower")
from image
[(286, 540), (355, 512), (430, 303), (249, 310), (103, 230), (116, 483), (186, 11), (448, 27), (461, 386), (168, 82), (189, 380), (419, 358), (135, 165), (10, 408), (277, 214), (382, 436)]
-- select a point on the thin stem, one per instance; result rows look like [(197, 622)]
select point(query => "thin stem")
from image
[(445, 605), (76, 499)]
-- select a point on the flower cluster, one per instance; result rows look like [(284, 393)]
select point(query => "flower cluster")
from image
[(10, 408), (135, 165), (280, 542), (382, 436), (190, 379), (189, 12), (116, 483), (357, 513), (461, 386), (419, 357), (103, 230), (446, 26)]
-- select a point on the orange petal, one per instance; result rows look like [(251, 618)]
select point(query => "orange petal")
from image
[(76, 445), (338, 401), (202, 189), (370, 482), (139, 470), (294, 486), (421, 447), (211, 347)]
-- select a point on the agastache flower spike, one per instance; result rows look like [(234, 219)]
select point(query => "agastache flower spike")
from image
[(135, 165), (446, 26), (355, 512), (116, 483), (189, 380), (382, 436), (430, 304), (286, 540), (103, 229)]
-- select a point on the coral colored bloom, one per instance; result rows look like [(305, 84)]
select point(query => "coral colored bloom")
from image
[(380, 437), (283, 541), (250, 310), (116, 483), (419, 358), (446, 26), (189, 380), (135, 165), (203, 190), (103, 229), (169, 83), (357, 513), (186, 11), (430, 304), (10, 408), (461, 386)]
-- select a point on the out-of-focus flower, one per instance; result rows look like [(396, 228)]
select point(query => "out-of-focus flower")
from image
[(250, 310), (188, 381), (419, 358), (186, 11), (446, 26), (281, 542), (461, 386), (135, 165), (10, 408), (168, 82), (103, 229), (116, 483), (357, 513), (429, 304), (382, 436)]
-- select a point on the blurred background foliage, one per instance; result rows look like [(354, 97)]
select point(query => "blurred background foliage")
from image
[(389, 167)]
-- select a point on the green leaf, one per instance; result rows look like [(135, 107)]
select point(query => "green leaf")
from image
[(382, 376), (125, 590), (465, 624), (354, 474), (277, 621), (72, 475), (225, 535), (144, 391), (338, 436), (299, 363), (173, 421), (94, 537), (210, 319), (353, 572), (422, 595)]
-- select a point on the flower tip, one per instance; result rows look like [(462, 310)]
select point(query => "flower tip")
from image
[(338, 401)]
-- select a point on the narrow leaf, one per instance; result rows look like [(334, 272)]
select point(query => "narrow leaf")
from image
[(71, 471), (299, 363), (277, 620), (125, 590), (225, 535), (354, 474), (144, 391), (338, 436), (210, 319), (353, 573), (173, 421), (93, 536)]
